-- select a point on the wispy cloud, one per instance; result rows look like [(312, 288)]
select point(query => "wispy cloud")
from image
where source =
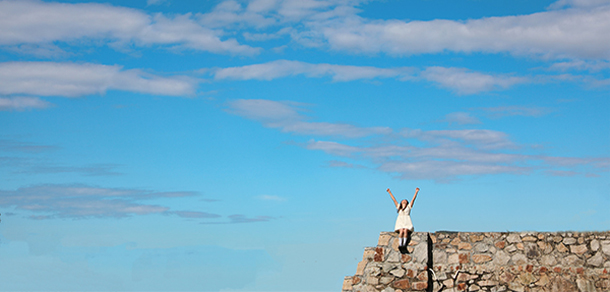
[(446, 158), (87, 170), (442, 155), (284, 68), (461, 118), (193, 214), (460, 80), (337, 163), (581, 65), (526, 111), (240, 218), (25, 159), (287, 117), (464, 81), (37, 22), (73, 80), (21, 146), (82, 201), (20, 103)]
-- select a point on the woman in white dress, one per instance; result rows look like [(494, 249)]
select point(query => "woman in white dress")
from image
[(403, 225)]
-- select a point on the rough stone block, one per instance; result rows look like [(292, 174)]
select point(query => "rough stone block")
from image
[(579, 249), (419, 286), (476, 237), (464, 245), (481, 258), (402, 284), (529, 238), (596, 261), (439, 257), (561, 248), (548, 260), (378, 254), (513, 238), (569, 240), (384, 239), (519, 259), (463, 258), (594, 245), (398, 272), (572, 261), (500, 244), (347, 283), (360, 268), (606, 248)]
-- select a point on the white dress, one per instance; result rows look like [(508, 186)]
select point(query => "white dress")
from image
[(404, 219)]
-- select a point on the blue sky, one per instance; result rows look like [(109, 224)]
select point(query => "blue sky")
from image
[(167, 145)]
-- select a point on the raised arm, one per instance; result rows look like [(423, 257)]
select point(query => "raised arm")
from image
[(414, 196), (393, 199)]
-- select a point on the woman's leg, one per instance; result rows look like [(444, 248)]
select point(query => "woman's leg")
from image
[(402, 235)]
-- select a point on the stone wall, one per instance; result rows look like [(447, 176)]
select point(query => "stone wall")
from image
[(486, 261)]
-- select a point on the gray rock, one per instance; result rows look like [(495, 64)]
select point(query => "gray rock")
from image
[(386, 267), (569, 240), (393, 257), (501, 258), (420, 253), (388, 289), (439, 257), (373, 271), (519, 259), (498, 289), (585, 286), (481, 247), (398, 272), (548, 260), (594, 245), (386, 280), (513, 238), (606, 248), (511, 248), (596, 261), (531, 250), (572, 260)]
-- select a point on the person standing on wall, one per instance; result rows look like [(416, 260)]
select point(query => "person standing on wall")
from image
[(404, 225)]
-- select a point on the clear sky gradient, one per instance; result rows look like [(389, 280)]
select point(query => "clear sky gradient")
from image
[(169, 145)]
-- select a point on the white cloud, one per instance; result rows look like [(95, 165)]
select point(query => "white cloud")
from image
[(72, 80), (567, 33), (464, 81), (37, 22), (22, 103), (286, 116), (283, 68)]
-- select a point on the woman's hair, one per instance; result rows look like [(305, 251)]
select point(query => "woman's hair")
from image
[(400, 207)]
